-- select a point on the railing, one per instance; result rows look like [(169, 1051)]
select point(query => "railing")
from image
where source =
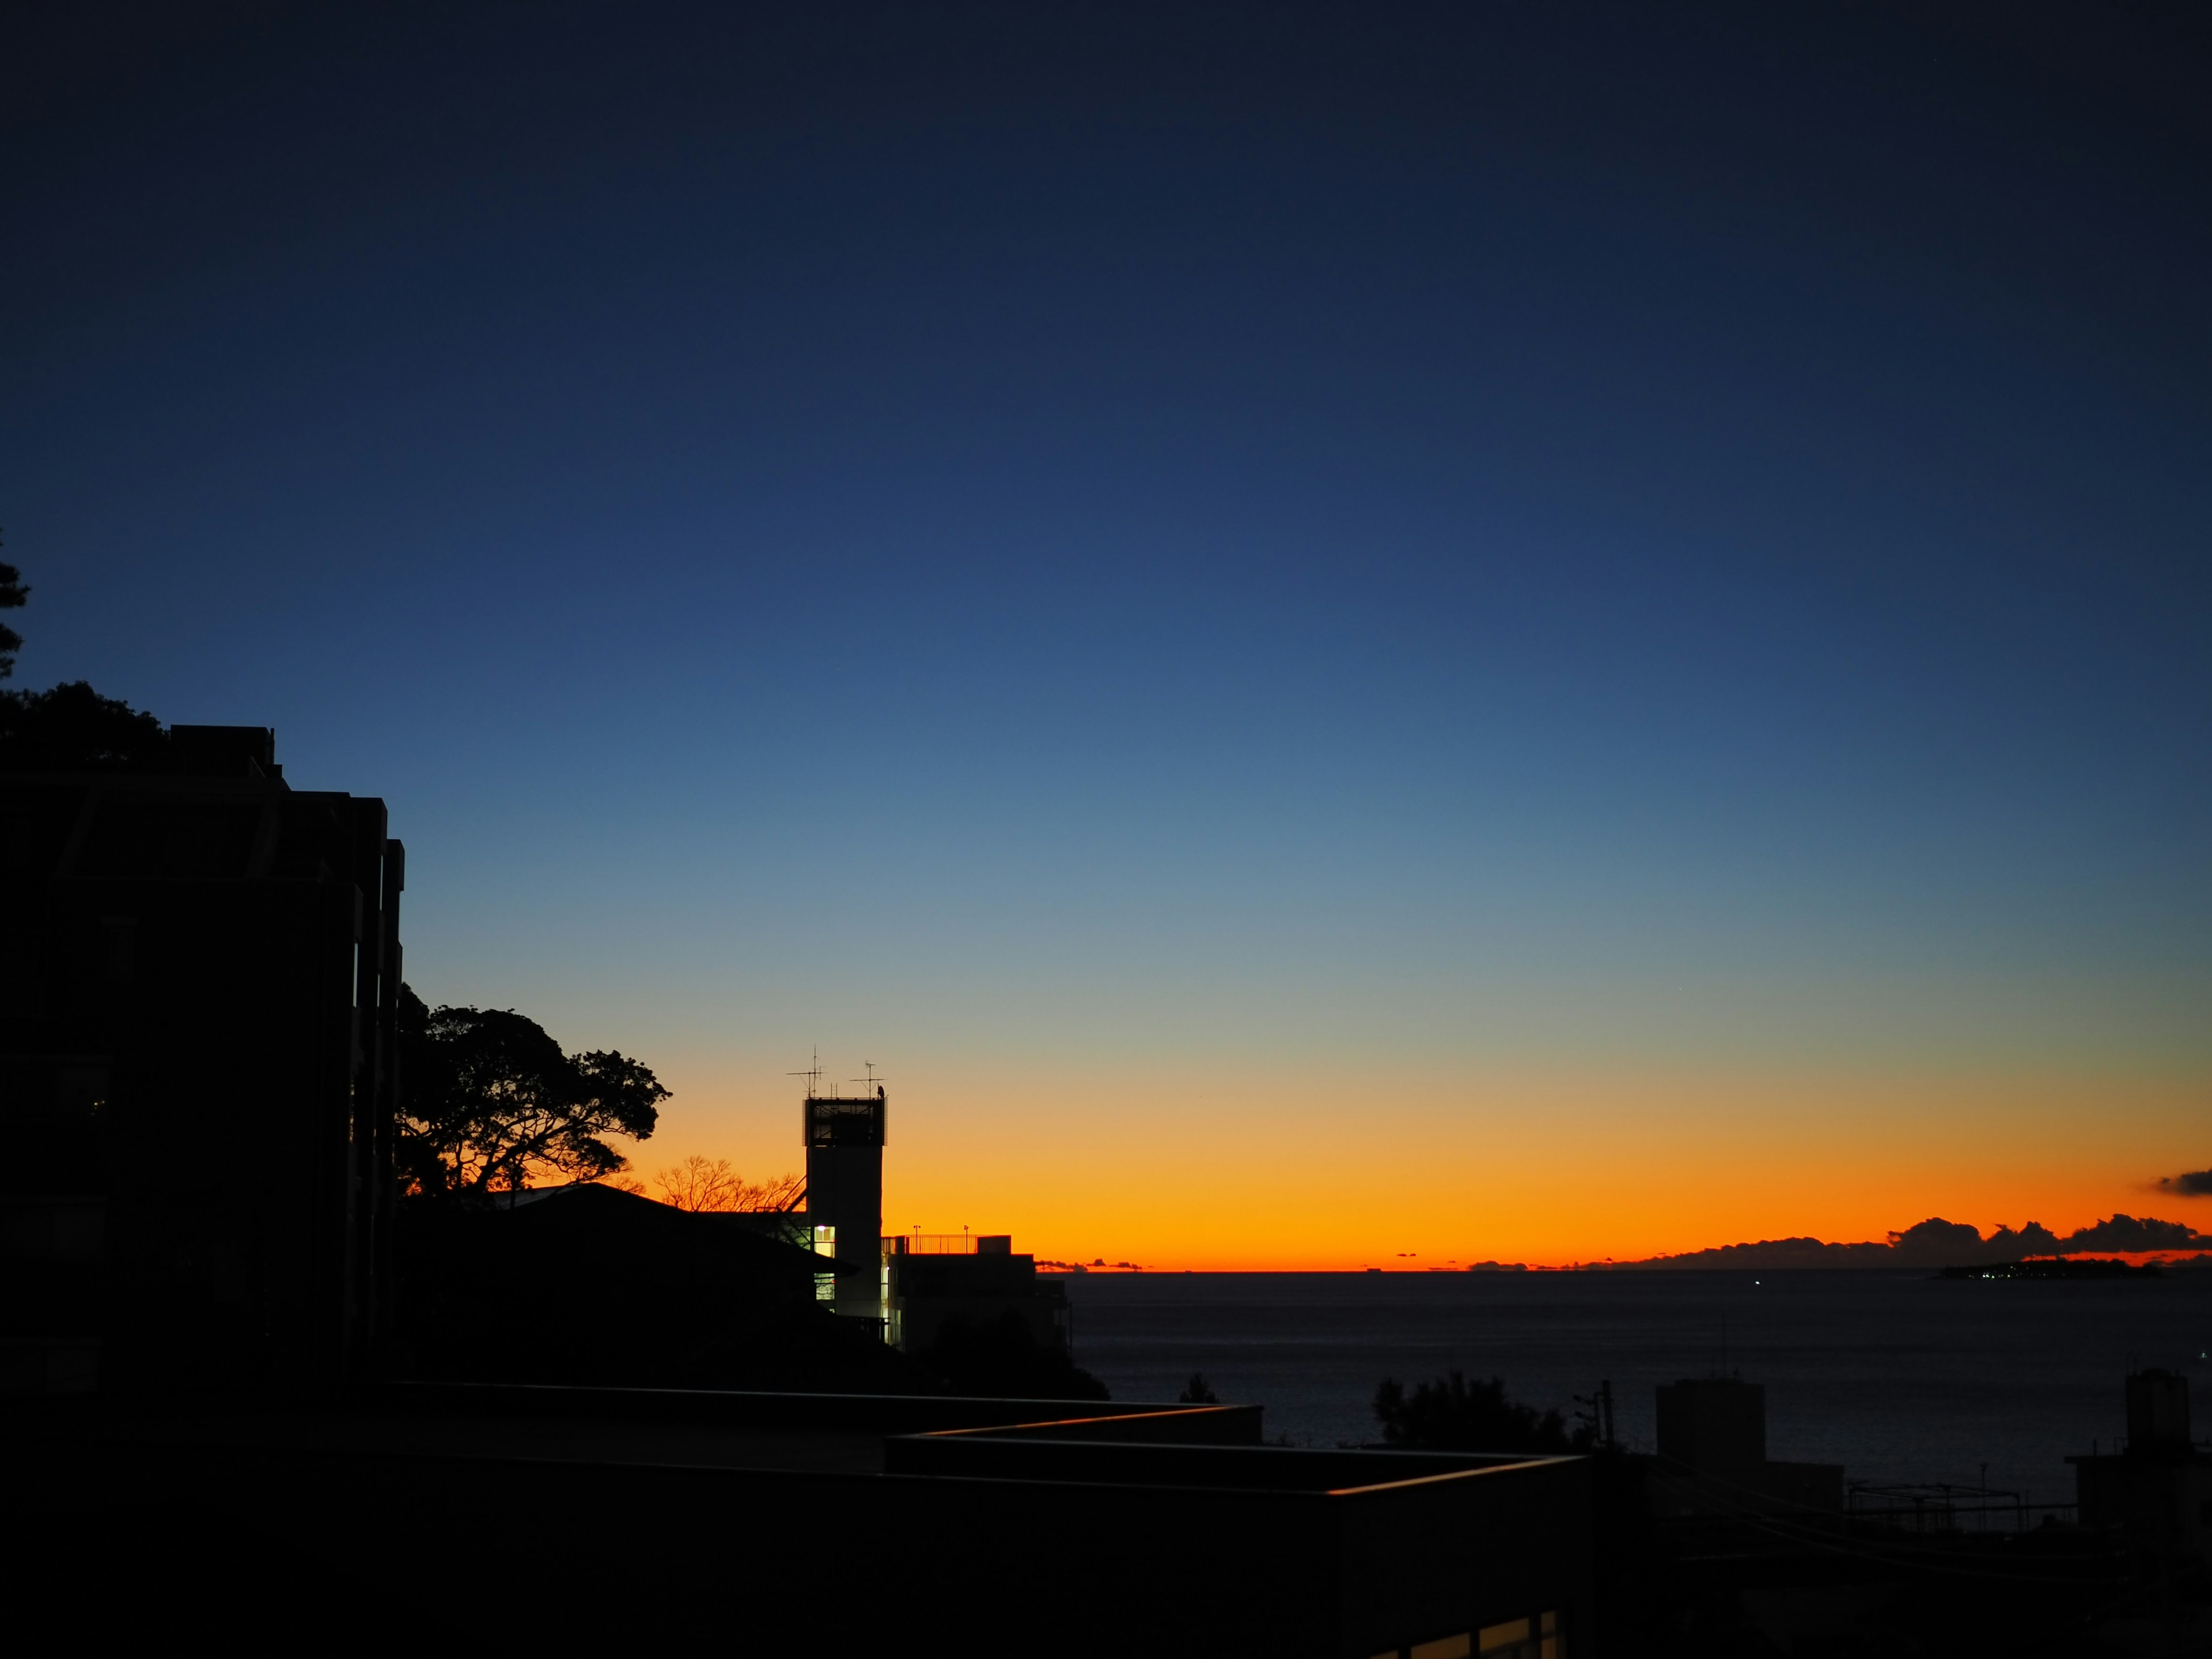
[(930, 1244), (1944, 1508)]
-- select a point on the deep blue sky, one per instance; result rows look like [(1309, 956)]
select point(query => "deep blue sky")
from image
[(1215, 538)]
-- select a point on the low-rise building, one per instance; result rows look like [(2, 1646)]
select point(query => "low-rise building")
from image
[(1712, 1456), (825, 1523), (936, 1284), (2157, 1488)]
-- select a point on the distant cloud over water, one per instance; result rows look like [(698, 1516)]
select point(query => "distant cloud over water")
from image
[(1937, 1242), (2196, 1183)]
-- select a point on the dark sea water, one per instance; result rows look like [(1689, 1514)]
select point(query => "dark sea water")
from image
[(1897, 1377)]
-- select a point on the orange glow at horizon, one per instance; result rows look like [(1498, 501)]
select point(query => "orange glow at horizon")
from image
[(1173, 1170)]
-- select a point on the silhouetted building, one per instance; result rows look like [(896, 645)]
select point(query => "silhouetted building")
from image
[(198, 974), (845, 1197), (1716, 1424), (1712, 1455), (588, 1284), (961, 1525), (2158, 1487), (938, 1282)]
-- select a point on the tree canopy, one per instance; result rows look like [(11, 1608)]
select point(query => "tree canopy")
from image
[(74, 728), (71, 728), (1453, 1415), (490, 1104), (13, 595)]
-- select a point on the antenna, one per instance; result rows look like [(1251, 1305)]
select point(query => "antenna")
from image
[(872, 1080), (812, 1073)]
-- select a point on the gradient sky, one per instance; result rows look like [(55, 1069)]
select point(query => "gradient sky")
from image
[(1491, 631)]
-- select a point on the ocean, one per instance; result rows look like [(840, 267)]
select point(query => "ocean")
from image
[(1899, 1376)]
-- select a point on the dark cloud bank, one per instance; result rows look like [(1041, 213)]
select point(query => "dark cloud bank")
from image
[(2196, 1183), (1939, 1243)]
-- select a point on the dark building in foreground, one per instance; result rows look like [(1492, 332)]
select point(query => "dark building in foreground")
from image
[(199, 969), (1712, 1456), (815, 1523), (938, 1283), (2156, 1491), (586, 1284)]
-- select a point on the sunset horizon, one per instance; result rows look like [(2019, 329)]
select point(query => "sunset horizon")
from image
[(1323, 830)]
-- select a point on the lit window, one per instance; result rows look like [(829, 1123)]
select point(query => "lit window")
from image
[(1444, 1647)]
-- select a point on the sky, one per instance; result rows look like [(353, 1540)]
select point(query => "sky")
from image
[(1333, 635)]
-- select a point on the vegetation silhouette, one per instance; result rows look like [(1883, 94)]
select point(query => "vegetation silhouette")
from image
[(490, 1104), (71, 728), (1198, 1391), (1454, 1414), (13, 596), (705, 1186)]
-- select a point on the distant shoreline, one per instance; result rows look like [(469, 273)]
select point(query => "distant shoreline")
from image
[(2100, 1268)]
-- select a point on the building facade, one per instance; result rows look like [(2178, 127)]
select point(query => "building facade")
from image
[(199, 970), (936, 1282), (845, 1138)]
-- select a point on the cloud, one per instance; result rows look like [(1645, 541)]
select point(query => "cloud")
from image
[(2126, 1232), (1937, 1242), (2033, 1239), (2196, 1183)]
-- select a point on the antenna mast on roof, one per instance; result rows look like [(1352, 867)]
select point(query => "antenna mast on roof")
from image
[(812, 1074), (872, 1080)]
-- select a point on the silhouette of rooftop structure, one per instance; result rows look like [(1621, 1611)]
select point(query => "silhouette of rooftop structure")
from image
[(826, 1522), (844, 1140), (987, 1282), (200, 968), (1712, 1455), (2156, 1489)]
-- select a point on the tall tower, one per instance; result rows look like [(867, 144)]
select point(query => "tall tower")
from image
[(845, 1193)]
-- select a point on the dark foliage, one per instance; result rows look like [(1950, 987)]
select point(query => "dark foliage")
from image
[(72, 728), (1000, 1357), (13, 594), (1198, 1391), (491, 1103), (1453, 1415)]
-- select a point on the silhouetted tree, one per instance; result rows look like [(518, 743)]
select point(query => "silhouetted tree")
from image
[(72, 727), (492, 1103), (700, 1184), (1453, 1415), (1198, 1391), (780, 1194), (13, 596)]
